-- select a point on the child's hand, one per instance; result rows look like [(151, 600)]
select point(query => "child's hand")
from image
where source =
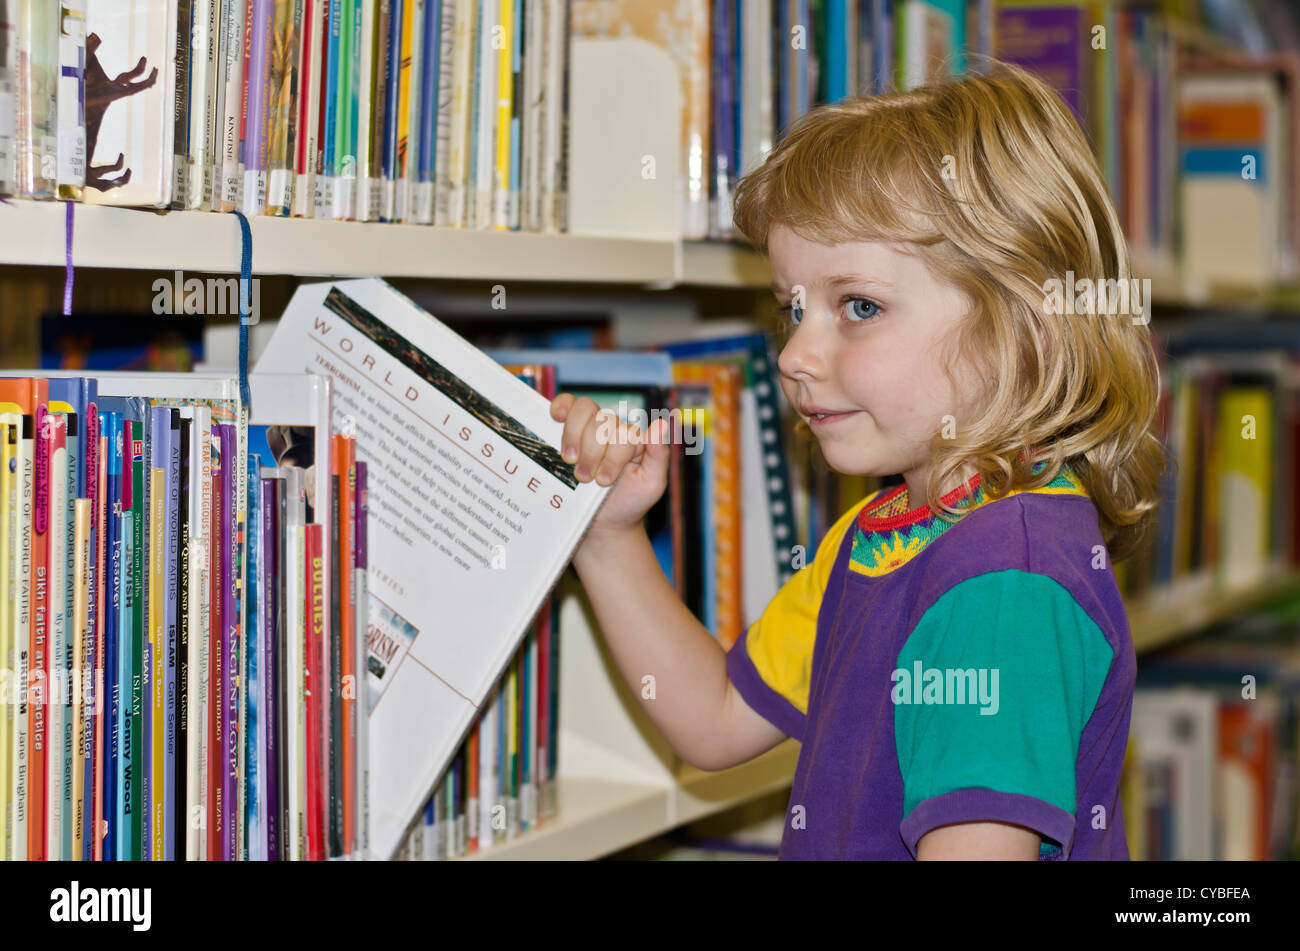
[(609, 450)]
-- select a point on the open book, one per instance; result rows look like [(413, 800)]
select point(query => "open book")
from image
[(473, 516)]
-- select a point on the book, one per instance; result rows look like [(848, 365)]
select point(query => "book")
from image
[(436, 418)]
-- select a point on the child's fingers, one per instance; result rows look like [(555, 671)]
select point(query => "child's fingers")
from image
[(578, 414), (617, 456), (600, 433), (560, 406)]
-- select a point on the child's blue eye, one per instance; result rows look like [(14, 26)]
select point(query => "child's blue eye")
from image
[(796, 313), (870, 306)]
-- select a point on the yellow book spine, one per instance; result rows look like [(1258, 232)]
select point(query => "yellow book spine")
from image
[(80, 621), (505, 114), (157, 589)]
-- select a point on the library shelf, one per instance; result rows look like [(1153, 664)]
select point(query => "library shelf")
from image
[(1184, 610), (34, 233), (598, 817)]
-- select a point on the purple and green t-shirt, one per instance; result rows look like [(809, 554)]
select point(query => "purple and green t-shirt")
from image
[(940, 672)]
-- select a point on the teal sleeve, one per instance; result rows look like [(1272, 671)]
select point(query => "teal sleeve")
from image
[(991, 694)]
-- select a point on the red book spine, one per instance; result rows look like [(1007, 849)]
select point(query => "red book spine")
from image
[(312, 676), (39, 676)]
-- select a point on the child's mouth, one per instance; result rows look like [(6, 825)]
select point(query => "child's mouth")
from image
[(825, 419)]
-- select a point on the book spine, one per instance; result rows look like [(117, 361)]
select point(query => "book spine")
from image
[(257, 120), (230, 658), (281, 69), (360, 705), (396, 94), (315, 607), (254, 749), (431, 91), (345, 155), (216, 720), (332, 76), (180, 661), (38, 68), (139, 658), (8, 102), (181, 103), (10, 426), (347, 599), (484, 132), (67, 655), (157, 728), (232, 103), (308, 106), (112, 696), (335, 675), (271, 713), (81, 620), (202, 547), (207, 52), (409, 110), (365, 107), (91, 660), (39, 696), (458, 106), (71, 102), (504, 116)]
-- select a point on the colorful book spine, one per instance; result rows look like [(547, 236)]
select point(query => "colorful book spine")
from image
[(90, 660), (361, 595), (75, 776), (230, 180), (216, 721), (257, 119), (315, 608), (39, 699), (111, 775), (159, 435), (138, 803), (230, 646)]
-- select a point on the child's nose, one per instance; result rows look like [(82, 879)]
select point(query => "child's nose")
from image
[(804, 354)]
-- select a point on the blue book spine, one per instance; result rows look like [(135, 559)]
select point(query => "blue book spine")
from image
[(392, 69), (111, 424), (171, 569), (269, 667), (331, 89), (354, 97), (429, 91), (837, 40)]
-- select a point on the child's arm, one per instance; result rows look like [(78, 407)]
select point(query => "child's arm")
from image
[(648, 629), (979, 840)]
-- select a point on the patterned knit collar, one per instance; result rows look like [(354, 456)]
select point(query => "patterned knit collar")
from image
[(887, 535), (890, 511)]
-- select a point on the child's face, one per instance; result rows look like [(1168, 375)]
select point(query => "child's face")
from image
[(867, 345)]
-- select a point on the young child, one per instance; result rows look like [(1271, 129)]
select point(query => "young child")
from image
[(955, 660)]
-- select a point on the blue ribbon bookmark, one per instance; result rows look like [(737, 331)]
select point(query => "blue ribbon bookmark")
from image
[(245, 299)]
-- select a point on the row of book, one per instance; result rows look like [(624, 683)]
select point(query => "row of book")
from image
[(1199, 149), (447, 112), (1230, 420), (181, 642), (1211, 769)]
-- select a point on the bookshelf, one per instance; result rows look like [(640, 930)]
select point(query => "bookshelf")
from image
[(618, 784)]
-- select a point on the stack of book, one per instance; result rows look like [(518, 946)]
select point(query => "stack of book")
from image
[(447, 112), (182, 633), (1211, 770)]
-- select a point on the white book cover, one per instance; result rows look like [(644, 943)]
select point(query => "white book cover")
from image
[(468, 498), (200, 495), (130, 93), (554, 134), (1181, 725), (230, 181), (204, 46)]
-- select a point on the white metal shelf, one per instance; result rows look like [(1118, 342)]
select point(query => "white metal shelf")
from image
[(33, 233)]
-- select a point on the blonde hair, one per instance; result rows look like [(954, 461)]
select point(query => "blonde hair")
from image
[(992, 181)]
